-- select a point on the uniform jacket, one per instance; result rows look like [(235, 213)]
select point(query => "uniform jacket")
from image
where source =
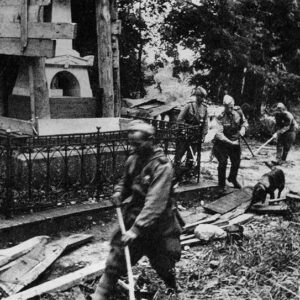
[(231, 124), (285, 122), (193, 114), (147, 183)]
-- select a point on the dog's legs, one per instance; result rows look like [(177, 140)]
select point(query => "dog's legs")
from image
[(272, 195), (279, 191)]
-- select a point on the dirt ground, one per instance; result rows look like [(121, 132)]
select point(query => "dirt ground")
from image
[(264, 266)]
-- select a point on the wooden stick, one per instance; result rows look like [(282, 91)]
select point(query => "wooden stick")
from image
[(265, 144), (127, 256)]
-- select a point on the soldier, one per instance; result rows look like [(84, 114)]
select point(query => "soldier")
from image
[(152, 227), (233, 125), (193, 113), (286, 128)]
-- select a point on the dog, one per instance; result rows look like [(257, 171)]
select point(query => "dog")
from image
[(269, 182)]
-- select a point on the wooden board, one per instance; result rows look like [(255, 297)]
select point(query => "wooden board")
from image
[(280, 209), (16, 125), (10, 254), (35, 47), (62, 283), (30, 266), (207, 220), (39, 30), (231, 201)]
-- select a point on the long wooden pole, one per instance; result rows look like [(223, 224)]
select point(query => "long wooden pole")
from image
[(127, 256), (105, 61)]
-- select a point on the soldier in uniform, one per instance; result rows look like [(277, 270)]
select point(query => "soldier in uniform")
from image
[(232, 126), (152, 226), (286, 127), (193, 113)]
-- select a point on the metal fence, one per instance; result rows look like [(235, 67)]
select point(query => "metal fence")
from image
[(49, 171)]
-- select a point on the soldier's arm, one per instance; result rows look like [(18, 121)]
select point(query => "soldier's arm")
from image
[(182, 114), (156, 200), (220, 133)]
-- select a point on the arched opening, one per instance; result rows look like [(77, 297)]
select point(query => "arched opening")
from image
[(65, 84)]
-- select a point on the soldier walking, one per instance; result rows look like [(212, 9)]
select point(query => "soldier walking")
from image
[(232, 125), (151, 223), (286, 128), (195, 114)]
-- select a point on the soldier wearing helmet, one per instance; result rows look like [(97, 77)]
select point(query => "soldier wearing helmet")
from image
[(194, 113), (232, 125), (151, 223), (286, 128)]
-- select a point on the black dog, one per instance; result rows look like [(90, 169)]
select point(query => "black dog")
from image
[(274, 180)]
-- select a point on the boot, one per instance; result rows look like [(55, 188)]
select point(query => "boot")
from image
[(235, 183), (99, 294), (105, 285)]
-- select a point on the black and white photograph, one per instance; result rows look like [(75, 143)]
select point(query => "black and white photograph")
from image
[(149, 149)]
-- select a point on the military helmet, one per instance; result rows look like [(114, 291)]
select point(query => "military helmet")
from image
[(139, 125)]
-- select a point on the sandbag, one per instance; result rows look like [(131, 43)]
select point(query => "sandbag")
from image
[(208, 232)]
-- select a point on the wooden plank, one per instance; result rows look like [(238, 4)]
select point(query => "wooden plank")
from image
[(242, 219), (16, 125), (35, 47), (190, 242), (30, 266), (19, 2), (208, 220), (62, 283), (281, 209), (10, 254), (39, 30), (229, 202)]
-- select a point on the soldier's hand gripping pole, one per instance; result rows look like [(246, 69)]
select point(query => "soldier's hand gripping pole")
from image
[(127, 256)]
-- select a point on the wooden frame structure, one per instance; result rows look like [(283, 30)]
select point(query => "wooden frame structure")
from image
[(23, 33)]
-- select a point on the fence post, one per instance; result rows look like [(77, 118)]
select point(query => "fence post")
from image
[(98, 173), (8, 206)]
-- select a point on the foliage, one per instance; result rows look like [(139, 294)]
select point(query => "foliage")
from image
[(236, 40)]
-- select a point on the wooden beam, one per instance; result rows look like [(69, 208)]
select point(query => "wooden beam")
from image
[(35, 48), (30, 266), (19, 2), (62, 283), (16, 125), (39, 30), (105, 57), (24, 26), (116, 31), (10, 254)]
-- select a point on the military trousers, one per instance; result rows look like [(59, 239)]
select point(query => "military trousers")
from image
[(163, 253), (284, 144), (222, 151)]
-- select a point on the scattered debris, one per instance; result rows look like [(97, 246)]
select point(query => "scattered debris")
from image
[(62, 283), (30, 266), (10, 254)]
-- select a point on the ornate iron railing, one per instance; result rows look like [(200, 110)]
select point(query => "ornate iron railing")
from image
[(49, 171)]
